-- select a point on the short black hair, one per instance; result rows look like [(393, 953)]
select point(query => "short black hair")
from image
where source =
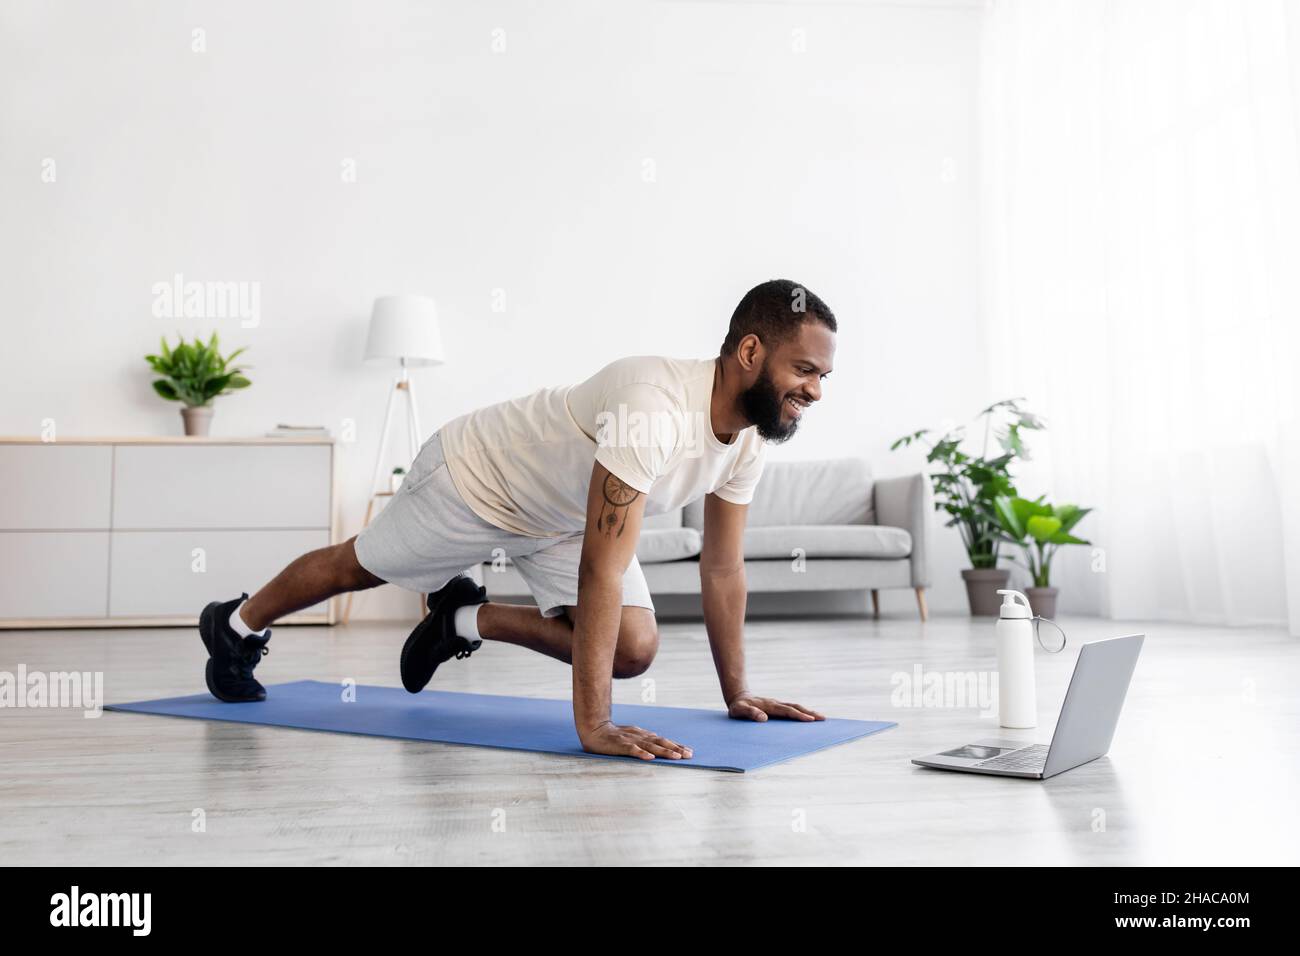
[(774, 311)]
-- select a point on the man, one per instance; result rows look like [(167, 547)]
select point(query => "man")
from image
[(560, 481)]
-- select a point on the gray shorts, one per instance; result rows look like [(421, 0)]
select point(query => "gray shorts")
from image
[(426, 535)]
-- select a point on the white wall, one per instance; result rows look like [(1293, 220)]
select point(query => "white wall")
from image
[(848, 167)]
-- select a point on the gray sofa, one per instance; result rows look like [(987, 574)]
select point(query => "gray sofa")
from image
[(812, 526)]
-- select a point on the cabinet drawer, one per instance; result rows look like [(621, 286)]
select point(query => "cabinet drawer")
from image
[(170, 573), (55, 486), (53, 574), (221, 486)]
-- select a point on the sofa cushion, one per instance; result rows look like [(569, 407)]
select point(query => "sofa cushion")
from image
[(835, 491), (669, 519), (657, 545), (827, 541)]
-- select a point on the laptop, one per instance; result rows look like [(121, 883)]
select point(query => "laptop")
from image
[(1083, 731)]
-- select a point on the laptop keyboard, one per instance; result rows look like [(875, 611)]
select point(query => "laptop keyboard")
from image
[(1030, 759)]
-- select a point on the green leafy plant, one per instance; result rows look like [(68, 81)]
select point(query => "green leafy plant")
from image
[(966, 485), (194, 372), (1039, 529)]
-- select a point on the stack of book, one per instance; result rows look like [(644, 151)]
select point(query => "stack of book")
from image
[(299, 431)]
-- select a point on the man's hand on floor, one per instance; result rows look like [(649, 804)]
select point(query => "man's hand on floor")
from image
[(630, 741), (749, 707)]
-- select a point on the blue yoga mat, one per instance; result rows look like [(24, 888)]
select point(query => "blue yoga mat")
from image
[(515, 723)]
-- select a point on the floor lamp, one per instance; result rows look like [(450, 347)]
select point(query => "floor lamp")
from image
[(403, 329)]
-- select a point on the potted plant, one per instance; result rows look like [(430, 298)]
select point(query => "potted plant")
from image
[(966, 485), (396, 478), (195, 373), (1039, 529)]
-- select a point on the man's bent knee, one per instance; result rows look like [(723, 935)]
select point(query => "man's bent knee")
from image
[(351, 575), (638, 642)]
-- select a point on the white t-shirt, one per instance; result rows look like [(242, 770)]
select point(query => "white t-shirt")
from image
[(525, 464)]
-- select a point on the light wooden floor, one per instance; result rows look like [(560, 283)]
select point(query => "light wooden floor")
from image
[(1205, 768)]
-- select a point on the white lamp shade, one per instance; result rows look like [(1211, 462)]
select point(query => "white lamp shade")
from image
[(404, 328)]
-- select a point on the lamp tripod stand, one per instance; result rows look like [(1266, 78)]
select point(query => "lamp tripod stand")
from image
[(403, 386), (402, 328)]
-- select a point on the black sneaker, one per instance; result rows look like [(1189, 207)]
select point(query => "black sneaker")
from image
[(434, 639), (231, 658)]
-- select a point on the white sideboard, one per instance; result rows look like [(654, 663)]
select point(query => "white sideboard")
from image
[(104, 532)]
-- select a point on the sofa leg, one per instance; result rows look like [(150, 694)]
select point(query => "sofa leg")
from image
[(875, 603), (920, 603)]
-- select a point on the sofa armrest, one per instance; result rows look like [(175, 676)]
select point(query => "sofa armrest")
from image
[(906, 502)]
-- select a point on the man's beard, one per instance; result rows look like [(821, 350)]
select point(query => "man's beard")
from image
[(764, 407)]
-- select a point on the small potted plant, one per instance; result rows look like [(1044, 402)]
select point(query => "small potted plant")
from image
[(396, 478), (966, 485), (1039, 530), (195, 373)]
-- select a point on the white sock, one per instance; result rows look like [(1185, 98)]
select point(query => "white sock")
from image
[(466, 622), (239, 627)]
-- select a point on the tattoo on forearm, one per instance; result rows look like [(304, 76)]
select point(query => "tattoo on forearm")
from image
[(619, 496)]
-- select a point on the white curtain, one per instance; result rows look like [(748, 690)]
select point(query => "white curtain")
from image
[(1140, 188)]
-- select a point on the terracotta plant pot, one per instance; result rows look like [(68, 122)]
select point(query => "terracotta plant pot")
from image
[(1042, 601), (198, 419), (982, 589)]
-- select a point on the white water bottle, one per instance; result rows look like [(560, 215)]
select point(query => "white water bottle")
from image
[(1017, 698)]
